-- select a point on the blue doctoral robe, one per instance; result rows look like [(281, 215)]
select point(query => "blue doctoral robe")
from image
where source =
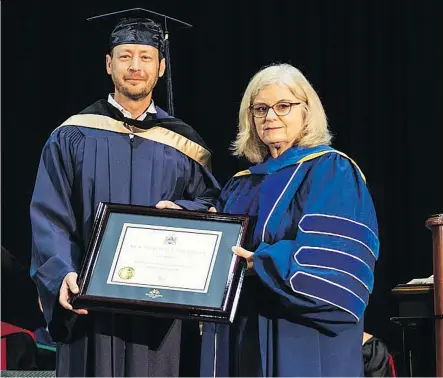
[(100, 156), (315, 242)]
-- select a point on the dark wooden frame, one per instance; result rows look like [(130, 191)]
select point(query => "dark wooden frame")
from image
[(222, 314)]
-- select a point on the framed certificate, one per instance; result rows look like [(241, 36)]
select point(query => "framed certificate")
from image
[(167, 263)]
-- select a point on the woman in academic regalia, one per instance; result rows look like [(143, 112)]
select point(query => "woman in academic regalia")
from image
[(314, 246)]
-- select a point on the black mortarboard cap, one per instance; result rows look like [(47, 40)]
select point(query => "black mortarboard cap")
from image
[(131, 27), (140, 31)]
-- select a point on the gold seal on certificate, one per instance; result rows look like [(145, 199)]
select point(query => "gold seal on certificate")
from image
[(126, 273)]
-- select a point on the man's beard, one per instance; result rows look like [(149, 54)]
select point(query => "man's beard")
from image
[(135, 95)]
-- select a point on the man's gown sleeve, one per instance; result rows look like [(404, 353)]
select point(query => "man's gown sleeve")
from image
[(325, 273), (202, 189), (55, 237)]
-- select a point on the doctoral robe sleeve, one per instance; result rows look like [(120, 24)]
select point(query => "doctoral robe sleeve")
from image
[(55, 237), (201, 190), (325, 273)]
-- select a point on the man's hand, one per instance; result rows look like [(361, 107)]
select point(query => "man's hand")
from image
[(212, 210), (69, 287), (248, 255), (40, 304), (167, 205)]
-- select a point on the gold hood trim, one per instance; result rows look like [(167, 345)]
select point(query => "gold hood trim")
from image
[(157, 134), (310, 157)]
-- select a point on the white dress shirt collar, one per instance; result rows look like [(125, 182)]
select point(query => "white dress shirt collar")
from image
[(151, 109)]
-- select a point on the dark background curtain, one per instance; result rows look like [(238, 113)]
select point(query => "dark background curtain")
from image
[(377, 66)]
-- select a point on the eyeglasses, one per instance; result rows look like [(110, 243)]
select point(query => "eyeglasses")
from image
[(280, 108)]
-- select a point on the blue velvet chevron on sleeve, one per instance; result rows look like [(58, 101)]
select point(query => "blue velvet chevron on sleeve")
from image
[(325, 272)]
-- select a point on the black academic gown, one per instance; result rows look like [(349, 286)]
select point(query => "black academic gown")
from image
[(100, 156), (377, 360)]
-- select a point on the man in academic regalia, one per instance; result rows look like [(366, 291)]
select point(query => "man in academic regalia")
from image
[(120, 150)]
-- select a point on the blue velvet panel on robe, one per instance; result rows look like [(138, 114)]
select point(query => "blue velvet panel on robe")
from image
[(316, 244), (79, 168)]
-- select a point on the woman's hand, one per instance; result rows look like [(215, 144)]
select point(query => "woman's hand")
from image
[(248, 255)]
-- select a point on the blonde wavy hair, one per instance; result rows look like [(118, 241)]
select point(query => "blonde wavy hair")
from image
[(315, 129)]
